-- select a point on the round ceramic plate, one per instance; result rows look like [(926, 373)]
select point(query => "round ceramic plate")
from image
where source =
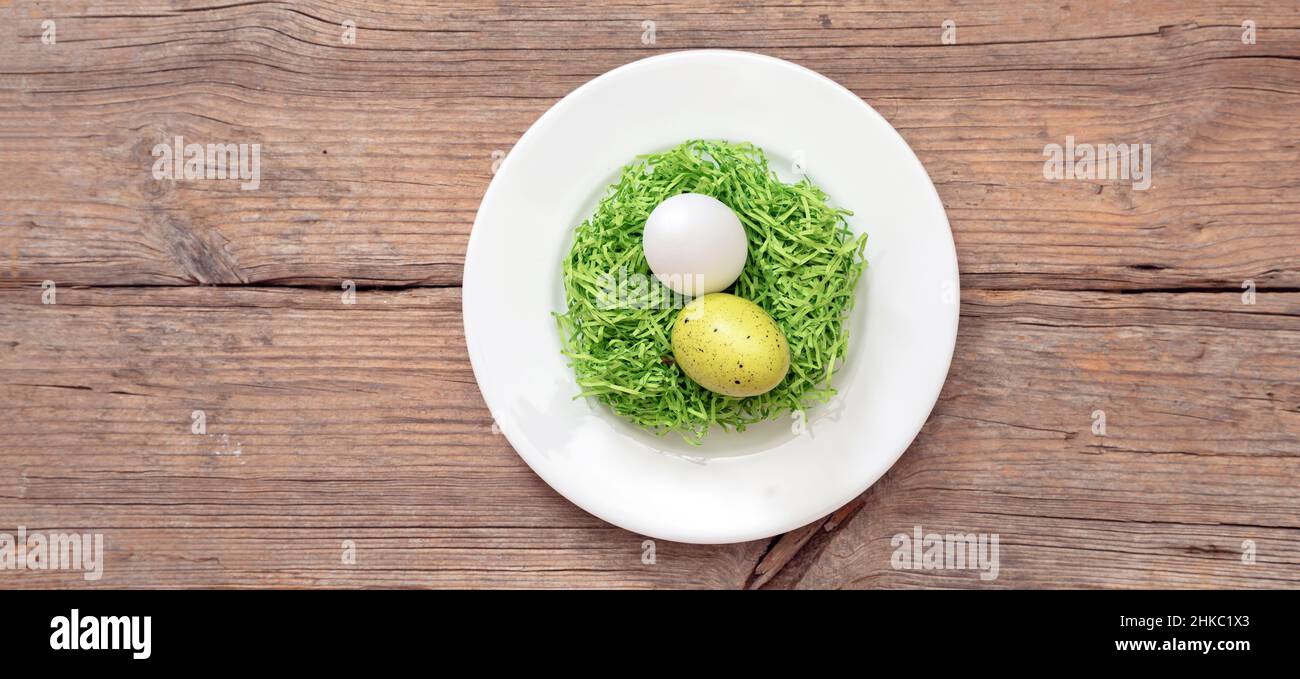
[(775, 476)]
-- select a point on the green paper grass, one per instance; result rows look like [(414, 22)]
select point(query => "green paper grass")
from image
[(804, 264)]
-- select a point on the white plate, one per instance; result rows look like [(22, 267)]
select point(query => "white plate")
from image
[(737, 486)]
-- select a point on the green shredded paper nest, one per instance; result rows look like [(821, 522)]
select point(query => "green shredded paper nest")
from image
[(803, 267)]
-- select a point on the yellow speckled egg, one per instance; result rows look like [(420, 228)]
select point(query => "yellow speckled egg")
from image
[(730, 346)]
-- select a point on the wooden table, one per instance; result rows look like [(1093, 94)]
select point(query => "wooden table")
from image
[(328, 426)]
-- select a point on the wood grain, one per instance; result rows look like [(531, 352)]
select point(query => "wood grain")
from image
[(325, 422), (375, 154), (329, 422), (1201, 449)]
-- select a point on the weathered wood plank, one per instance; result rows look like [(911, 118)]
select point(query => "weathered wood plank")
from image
[(375, 153), (1201, 449), (325, 422), (329, 422)]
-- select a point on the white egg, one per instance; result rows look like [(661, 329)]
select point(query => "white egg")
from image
[(695, 244)]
